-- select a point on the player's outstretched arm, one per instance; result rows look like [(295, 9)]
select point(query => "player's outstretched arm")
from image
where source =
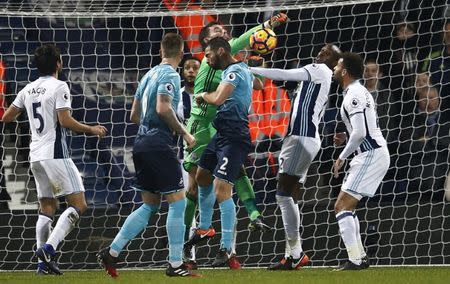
[(217, 97), (242, 42), (67, 121), (297, 74), (11, 114), (167, 114)]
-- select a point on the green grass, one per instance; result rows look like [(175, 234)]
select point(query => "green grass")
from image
[(248, 276)]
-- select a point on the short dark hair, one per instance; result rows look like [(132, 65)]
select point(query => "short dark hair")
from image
[(171, 44), (204, 33), (218, 42), (354, 64), (46, 58), (190, 57)]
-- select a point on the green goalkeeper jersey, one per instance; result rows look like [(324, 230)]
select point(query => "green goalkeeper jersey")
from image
[(208, 79)]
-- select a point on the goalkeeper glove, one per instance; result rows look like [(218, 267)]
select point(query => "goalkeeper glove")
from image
[(276, 20)]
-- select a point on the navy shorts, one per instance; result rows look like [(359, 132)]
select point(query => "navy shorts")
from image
[(224, 158), (157, 172)]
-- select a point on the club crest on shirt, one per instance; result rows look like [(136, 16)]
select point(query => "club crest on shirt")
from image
[(169, 88), (231, 76), (355, 102)]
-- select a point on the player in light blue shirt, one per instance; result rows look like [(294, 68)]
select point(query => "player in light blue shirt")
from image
[(225, 154), (158, 170)]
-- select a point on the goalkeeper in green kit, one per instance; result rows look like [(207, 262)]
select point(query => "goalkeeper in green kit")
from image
[(200, 125)]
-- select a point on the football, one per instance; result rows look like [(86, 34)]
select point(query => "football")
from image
[(263, 41)]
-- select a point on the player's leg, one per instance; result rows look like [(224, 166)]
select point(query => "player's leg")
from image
[(175, 233), (223, 191), (294, 161), (246, 194), (191, 200), (134, 224), (203, 133), (66, 181), (365, 174), (230, 156), (168, 185), (146, 181), (47, 209), (189, 222), (364, 257), (206, 196), (344, 207)]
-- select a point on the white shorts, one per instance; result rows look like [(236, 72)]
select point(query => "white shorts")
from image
[(297, 154), (366, 172), (56, 177)]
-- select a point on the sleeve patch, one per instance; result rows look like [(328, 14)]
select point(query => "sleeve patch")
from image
[(231, 76), (66, 96), (169, 88), (355, 103)]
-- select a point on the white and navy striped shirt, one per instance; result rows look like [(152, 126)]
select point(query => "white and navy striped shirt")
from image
[(310, 101), (358, 100), (42, 99)]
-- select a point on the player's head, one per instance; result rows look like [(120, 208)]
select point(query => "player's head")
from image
[(172, 46), (349, 67), (218, 53), (210, 31), (329, 55), (48, 59), (372, 70), (190, 69)]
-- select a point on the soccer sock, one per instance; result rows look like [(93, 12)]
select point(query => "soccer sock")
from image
[(358, 236), (290, 214), (43, 229), (206, 200), (191, 205), (66, 222), (134, 224), (228, 220), (245, 193), (348, 233), (287, 249), (175, 231)]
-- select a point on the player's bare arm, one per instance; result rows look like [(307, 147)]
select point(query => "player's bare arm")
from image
[(258, 84), (219, 96), (135, 112), (67, 121), (166, 112), (11, 114)]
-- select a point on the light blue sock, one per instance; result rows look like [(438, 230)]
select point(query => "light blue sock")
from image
[(175, 231), (206, 201), (228, 219), (134, 224)]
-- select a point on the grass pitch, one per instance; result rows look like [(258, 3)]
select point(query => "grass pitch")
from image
[(408, 275)]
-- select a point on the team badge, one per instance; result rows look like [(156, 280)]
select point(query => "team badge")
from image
[(231, 76), (169, 88)]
